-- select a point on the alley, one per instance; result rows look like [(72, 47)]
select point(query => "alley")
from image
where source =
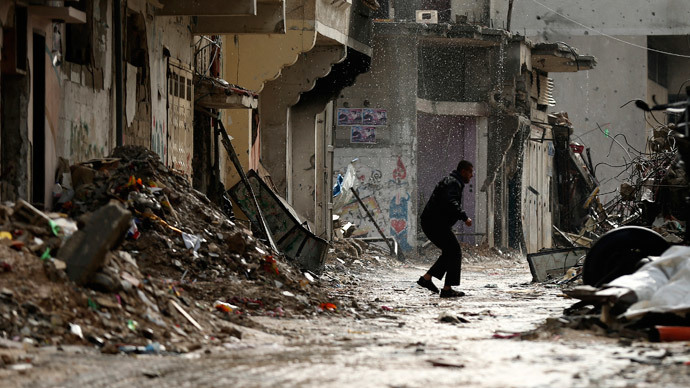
[(388, 334)]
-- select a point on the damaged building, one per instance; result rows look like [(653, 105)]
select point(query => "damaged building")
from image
[(80, 78), (446, 86)]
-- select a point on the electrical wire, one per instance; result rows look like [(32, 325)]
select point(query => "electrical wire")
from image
[(609, 36)]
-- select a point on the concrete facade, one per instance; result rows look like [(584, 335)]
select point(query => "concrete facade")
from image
[(290, 147), (618, 33), (452, 92), (75, 74)]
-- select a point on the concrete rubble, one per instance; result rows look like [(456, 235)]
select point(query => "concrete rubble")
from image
[(135, 260)]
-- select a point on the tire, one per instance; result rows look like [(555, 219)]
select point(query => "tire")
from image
[(619, 252)]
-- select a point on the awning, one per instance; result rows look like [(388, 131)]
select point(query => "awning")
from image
[(560, 58), (213, 93), (207, 7), (67, 15)]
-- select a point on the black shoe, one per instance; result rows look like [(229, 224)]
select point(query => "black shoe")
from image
[(428, 284), (451, 293)]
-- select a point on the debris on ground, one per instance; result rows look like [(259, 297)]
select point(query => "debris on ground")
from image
[(134, 260)]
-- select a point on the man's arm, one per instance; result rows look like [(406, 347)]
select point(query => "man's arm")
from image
[(454, 198)]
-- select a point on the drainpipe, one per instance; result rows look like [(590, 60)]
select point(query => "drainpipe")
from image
[(117, 41)]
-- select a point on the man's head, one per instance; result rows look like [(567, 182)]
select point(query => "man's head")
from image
[(466, 170)]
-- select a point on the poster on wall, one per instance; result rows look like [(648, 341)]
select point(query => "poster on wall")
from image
[(374, 117), (349, 116), (363, 135)]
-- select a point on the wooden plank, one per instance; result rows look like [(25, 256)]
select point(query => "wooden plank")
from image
[(186, 315)]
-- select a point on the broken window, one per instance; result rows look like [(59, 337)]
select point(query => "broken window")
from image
[(136, 50), (79, 37), (14, 49), (657, 68)]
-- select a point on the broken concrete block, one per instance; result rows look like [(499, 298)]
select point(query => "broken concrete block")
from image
[(85, 251), (236, 243), (82, 175), (24, 211)]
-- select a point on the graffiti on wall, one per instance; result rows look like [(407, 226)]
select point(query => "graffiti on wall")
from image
[(354, 213), (382, 183), (399, 205), (80, 149), (158, 138)]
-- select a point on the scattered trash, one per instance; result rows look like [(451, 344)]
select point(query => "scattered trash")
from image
[(225, 307), (132, 324), (671, 333), (504, 335), (327, 306), (191, 241), (445, 364), (186, 315), (76, 330), (449, 317), (554, 263)]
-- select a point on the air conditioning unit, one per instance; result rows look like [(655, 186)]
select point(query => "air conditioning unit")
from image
[(427, 16)]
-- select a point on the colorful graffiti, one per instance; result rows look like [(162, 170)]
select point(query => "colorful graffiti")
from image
[(398, 207), (400, 171), (374, 190), (355, 214)]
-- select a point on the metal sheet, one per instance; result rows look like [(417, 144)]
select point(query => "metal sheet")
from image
[(553, 262), (289, 232)]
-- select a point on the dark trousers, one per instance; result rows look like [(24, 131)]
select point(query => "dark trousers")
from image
[(450, 261)]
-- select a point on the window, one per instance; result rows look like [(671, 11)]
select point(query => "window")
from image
[(657, 68), (78, 37)]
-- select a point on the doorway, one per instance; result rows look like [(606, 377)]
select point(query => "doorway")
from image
[(442, 141), (38, 160)]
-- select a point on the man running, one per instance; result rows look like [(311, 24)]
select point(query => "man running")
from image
[(442, 211)]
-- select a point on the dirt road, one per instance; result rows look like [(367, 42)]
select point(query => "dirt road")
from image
[(387, 333)]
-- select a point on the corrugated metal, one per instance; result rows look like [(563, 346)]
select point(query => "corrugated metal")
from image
[(537, 179), (546, 86), (180, 117)]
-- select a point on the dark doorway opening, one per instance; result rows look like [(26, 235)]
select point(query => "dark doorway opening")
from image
[(39, 135)]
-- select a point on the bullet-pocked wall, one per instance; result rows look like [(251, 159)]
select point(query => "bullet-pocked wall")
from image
[(375, 123), (64, 93), (85, 128), (621, 73), (33, 86)]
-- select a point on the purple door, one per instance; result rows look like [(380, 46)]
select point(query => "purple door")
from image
[(442, 141)]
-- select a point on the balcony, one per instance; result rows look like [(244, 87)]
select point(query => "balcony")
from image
[(67, 15), (560, 58), (268, 18), (208, 7), (220, 17)]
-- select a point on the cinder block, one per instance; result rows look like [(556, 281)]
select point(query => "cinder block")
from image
[(85, 251)]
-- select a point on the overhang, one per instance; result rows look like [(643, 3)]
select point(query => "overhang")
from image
[(450, 34), (214, 93), (269, 19), (207, 7), (67, 15), (560, 58)]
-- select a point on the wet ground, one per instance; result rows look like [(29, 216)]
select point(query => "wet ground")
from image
[(387, 333)]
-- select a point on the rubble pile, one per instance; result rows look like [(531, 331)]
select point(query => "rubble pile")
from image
[(654, 194), (154, 265), (353, 253)]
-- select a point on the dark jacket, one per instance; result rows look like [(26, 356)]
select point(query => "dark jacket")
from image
[(445, 205)]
